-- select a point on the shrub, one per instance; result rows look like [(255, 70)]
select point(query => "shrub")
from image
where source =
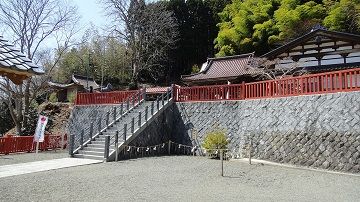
[(215, 139), (133, 86), (71, 97), (32, 119), (6, 122), (53, 98), (195, 69)]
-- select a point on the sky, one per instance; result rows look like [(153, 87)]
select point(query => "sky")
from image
[(91, 11)]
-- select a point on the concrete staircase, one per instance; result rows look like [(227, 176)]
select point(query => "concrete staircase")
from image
[(127, 127), (95, 149)]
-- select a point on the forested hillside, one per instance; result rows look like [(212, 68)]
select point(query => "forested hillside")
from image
[(201, 29), (151, 42)]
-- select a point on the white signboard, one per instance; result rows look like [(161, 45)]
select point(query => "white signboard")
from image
[(40, 129)]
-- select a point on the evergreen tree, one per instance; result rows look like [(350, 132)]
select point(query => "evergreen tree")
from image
[(261, 25)]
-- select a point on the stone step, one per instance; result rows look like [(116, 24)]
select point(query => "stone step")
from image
[(98, 149), (110, 133), (85, 156), (113, 139), (94, 153), (96, 145), (98, 142), (102, 138), (120, 126)]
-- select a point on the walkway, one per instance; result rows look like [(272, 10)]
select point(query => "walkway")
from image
[(38, 166), (179, 178)]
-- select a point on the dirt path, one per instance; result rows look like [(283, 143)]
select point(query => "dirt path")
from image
[(179, 178), (30, 157)]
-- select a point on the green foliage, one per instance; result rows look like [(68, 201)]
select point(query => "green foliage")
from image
[(259, 25), (216, 139), (344, 15), (71, 97), (99, 56), (245, 26), (53, 98), (132, 86), (195, 69), (207, 28), (32, 121), (6, 122), (197, 21), (294, 19)]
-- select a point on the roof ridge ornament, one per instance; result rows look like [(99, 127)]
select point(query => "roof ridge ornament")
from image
[(318, 27)]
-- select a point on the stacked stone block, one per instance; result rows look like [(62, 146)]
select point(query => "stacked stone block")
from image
[(82, 116), (318, 130)]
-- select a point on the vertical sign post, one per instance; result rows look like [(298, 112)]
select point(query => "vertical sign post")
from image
[(40, 130), (222, 162)]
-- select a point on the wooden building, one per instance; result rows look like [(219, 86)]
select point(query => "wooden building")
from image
[(76, 84), (15, 65), (319, 50), (224, 70)]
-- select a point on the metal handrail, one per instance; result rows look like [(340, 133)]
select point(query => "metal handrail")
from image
[(135, 104), (168, 95)]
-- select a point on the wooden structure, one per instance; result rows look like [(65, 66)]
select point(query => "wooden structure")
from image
[(319, 50), (17, 144), (114, 97), (330, 59), (223, 70), (329, 82), (76, 84), (15, 65)]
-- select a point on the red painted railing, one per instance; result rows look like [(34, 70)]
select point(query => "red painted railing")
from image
[(14, 144), (330, 82), (208, 93), (115, 97)]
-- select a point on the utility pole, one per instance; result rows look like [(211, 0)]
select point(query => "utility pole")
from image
[(87, 72)]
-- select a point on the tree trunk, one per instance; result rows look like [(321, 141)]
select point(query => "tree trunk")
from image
[(26, 104), (14, 117)]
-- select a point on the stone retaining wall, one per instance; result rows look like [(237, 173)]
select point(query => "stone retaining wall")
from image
[(156, 133), (82, 116), (318, 130)]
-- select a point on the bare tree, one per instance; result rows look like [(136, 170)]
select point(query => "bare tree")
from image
[(149, 30), (31, 23), (273, 69), (276, 70)]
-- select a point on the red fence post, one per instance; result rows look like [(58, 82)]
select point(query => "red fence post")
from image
[(24, 144), (308, 84), (243, 90), (174, 92)]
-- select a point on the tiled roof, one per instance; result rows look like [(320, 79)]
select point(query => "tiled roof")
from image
[(83, 81), (60, 85), (76, 80), (313, 33), (333, 67), (223, 68), (157, 90), (13, 59)]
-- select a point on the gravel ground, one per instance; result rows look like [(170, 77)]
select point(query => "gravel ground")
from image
[(178, 178), (30, 157)]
